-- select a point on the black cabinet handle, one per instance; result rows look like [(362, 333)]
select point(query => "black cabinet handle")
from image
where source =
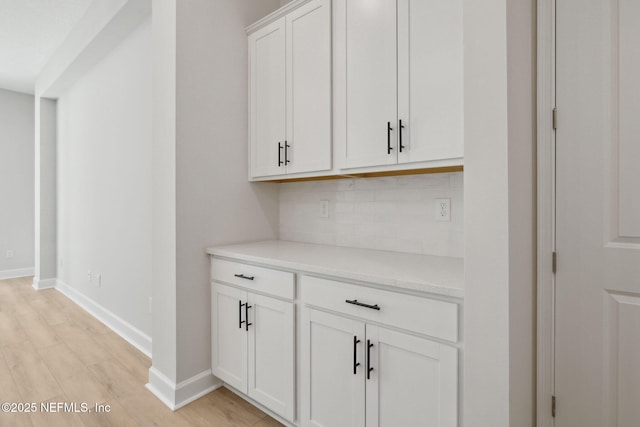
[(355, 354), (369, 368), (240, 321), (389, 129), (361, 304), (401, 126), (242, 276), (286, 153), (246, 315), (279, 154)]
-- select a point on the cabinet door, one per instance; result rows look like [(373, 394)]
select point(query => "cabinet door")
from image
[(309, 87), (414, 381), (267, 66), (371, 83), (332, 384), (430, 79), (271, 354), (229, 338)]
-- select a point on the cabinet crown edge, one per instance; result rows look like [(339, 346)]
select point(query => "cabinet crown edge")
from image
[(275, 15)]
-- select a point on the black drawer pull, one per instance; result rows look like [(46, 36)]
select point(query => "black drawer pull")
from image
[(279, 154), (286, 153), (246, 315), (361, 304), (242, 276), (389, 129), (369, 368), (240, 321), (401, 126), (355, 354)]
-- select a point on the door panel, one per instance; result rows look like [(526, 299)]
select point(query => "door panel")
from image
[(597, 216), (371, 82), (333, 395), (229, 339), (626, 35), (414, 381), (309, 87), (430, 80), (267, 98), (271, 354)]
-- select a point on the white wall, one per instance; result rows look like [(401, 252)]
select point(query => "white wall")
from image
[(387, 213), (215, 203), (104, 181), (499, 369), (201, 196), (16, 181)]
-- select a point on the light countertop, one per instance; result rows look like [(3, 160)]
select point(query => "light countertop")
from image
[(424, 273)]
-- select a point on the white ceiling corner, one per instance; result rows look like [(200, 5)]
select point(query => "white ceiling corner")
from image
[(30, 33)]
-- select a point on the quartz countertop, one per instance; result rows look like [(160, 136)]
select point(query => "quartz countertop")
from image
[(425, 273)]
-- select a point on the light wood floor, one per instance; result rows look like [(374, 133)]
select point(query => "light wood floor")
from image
[(51, 350)]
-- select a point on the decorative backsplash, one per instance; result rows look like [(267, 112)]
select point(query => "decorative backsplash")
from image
[(388, 213)]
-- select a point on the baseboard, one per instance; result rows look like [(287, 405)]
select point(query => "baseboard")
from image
[(14, 274), (175, 396), (260, 406), (40, 284), (133, 335)]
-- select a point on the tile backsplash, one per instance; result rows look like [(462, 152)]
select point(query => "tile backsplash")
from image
[(388, 213)]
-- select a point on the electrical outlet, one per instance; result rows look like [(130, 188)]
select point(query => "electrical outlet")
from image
[(324, 209), (89, 276), (443, 210), (10, 253)]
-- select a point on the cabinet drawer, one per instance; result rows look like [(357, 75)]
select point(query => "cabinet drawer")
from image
[(265, 280), (421, 315)]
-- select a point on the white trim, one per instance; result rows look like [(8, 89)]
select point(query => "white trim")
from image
[(260, 406), (14, 274), (40, 284), (546, 212), (274, 16), (175, 396), (133, 335)]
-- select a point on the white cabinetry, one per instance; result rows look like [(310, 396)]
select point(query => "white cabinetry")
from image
[(253, 341), (290, 91), (363, 373), (402, 81)]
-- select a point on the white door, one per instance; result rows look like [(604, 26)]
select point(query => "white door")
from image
[(332, 369), (371, 83), (597, 361), (229, 337), (413, 381), (430, 80), (267, 110), (309, 88), (271, 354)]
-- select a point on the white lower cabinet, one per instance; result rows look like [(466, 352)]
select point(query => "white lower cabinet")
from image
[(358, 374), (413, 381), (253, 346), (371, 357), (363, 356)]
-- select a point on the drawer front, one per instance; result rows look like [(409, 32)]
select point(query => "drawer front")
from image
[(265, 280), (417, 314)]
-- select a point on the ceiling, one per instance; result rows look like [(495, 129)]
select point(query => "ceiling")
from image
[(30, 33)]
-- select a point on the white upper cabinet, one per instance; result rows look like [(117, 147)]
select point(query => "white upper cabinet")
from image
[(267, 99), (371, 83), (430, 80), (290, 92), (399, 70), (309, 87)]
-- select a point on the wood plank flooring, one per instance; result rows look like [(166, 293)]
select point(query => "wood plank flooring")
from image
[(51, 350)]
